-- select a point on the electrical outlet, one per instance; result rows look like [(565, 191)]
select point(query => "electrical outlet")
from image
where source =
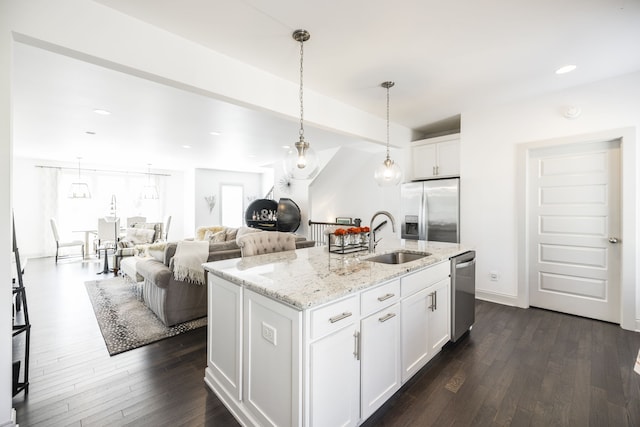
[(269, 333), (493, 276)]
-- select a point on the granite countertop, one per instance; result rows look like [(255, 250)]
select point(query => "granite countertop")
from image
[(309, 277)]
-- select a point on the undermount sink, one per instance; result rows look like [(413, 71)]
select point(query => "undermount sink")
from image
[(398, 257)]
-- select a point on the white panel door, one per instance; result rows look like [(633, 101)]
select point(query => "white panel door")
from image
[(574, 229)]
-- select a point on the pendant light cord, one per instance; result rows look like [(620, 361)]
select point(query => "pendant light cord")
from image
[(388, 121), (301, 92)]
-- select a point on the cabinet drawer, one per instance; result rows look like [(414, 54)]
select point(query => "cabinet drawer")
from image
[(419, 280), (380, 297), (334, 316)]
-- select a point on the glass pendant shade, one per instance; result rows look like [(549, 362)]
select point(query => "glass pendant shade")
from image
[(388, 173), (301, 162), (79, 190)]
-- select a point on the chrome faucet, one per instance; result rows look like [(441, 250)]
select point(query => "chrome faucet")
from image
[(372, 239)]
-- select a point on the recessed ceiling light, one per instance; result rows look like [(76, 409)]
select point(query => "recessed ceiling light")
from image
[(565, 69), (214, 133), (186, 146), (286, 147), (102, 112)]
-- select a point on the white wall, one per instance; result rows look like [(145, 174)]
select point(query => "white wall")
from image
[(490, 139), (5, 215), (208, 182), (346, 188)]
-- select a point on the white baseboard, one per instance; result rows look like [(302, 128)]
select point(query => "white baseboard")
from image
[(12, 421), (497, 298)]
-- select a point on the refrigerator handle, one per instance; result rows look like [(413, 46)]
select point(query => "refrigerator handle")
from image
[(423, 216)]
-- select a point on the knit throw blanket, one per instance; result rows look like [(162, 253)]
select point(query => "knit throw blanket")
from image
[(188, 260)]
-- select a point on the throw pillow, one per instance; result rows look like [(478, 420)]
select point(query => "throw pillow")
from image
[(125, 244), (219, 236), (140, 235), (200, 231), (156, 250), (232, 233)]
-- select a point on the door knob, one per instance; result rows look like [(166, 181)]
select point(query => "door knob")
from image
[(613, 240)]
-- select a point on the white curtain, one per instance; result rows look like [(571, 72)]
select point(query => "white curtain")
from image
[(48, 184)]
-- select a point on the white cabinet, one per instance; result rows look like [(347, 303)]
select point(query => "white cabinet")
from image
[(224, 342), (380, 358), (334, 375), (425, 317), (331, 365), (439, 316), (436, 157), (272, 352), (334, 366)]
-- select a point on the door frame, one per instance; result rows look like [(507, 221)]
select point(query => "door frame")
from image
[(628, 212)]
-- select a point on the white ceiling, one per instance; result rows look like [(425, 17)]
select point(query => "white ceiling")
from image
[(446, 57)]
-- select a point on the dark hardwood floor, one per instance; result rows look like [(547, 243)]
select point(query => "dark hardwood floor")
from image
[(517, 367)]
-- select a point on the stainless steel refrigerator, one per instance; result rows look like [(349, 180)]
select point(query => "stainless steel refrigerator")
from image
[(431, 210)]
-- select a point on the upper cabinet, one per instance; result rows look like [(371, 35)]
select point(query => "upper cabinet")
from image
[(436, 157)]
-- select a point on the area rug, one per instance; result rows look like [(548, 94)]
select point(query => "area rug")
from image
[(125, 322)]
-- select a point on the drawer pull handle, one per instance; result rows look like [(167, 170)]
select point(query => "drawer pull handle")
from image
[(387, 317), (339, 317), (386, 297)]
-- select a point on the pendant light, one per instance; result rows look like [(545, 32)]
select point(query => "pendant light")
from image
[(79, 190), (150, 191), (301, 162), (388, 173)]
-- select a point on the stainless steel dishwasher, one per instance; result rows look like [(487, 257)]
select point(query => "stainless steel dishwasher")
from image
[(463, 294)]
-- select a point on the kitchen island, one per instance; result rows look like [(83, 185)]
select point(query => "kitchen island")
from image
[(310, 338)]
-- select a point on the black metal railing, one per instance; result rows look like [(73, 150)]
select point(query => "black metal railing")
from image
[(316, 231)]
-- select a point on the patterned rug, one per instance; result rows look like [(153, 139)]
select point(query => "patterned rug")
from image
[(125, 322)]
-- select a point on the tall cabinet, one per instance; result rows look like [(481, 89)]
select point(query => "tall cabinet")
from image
[(436, 157)]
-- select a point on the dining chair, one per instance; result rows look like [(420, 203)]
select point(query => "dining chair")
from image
[(65, 244), (108, 231), (266, 242)]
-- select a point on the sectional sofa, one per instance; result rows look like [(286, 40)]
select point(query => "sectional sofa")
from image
[(175, 301)]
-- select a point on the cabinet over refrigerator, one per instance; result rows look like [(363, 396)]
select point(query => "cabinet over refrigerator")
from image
[(431, 210)]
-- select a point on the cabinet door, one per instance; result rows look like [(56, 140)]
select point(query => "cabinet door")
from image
[(414, 332), (424, 159), (225, 335), (272, 381), (448, 158), (380, 358), (439, 316), (334, 379)]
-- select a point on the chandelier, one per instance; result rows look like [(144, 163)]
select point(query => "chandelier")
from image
[(80, 189)]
